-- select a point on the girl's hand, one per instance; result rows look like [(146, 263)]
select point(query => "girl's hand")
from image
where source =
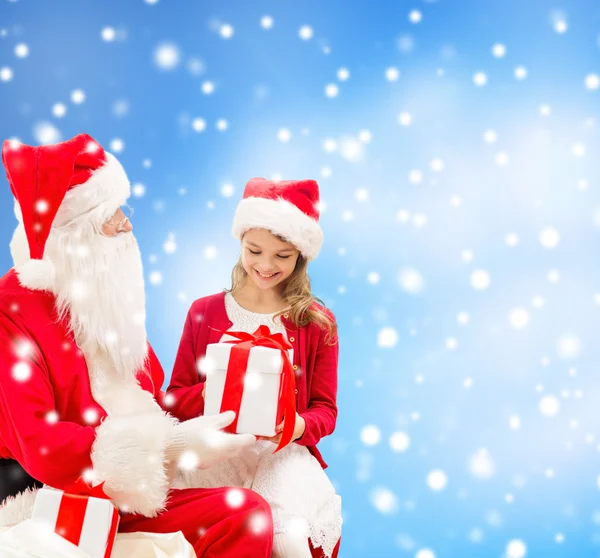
[(298, 431), (204, 391)]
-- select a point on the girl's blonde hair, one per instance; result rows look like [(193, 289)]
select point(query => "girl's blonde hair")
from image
[(296, 292)]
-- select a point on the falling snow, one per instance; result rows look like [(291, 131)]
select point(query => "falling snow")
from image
[(460, 221)]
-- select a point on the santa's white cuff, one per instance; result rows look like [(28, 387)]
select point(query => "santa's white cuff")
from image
[(129, 455)]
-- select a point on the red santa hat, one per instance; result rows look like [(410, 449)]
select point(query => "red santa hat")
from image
[(288, 208), (58, 184)]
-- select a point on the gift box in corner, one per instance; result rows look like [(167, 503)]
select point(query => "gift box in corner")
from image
[(88, 522)]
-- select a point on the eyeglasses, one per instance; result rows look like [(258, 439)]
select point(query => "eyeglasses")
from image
[(118, 226)]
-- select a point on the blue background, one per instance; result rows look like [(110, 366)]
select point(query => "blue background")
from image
[(503, 398)]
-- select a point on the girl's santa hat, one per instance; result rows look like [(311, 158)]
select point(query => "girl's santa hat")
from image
[(67, 185), (288, 208)]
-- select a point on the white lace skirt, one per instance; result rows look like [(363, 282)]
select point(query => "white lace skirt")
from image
[(299, 492)]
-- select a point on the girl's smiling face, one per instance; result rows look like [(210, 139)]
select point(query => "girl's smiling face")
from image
[(267, 259)]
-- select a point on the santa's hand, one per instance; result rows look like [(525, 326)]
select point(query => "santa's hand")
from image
[(200, 443)]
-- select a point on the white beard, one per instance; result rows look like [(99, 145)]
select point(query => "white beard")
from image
[(100, 291)]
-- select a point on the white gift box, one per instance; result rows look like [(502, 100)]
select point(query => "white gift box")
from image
[(92, 522), (262, 380)]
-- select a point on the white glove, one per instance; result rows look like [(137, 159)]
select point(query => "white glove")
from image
[(200, 443)]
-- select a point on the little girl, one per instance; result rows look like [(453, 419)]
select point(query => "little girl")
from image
[(277, 224)]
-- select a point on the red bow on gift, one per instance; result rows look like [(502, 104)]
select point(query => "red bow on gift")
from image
[(81, 487), (236, 370)]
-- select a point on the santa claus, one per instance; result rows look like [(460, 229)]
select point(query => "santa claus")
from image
[(80, 387)]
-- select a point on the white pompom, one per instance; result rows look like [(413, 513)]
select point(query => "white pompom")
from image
[(37, 275)]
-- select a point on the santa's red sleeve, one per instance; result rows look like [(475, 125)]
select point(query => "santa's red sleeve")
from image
[(321, 415), (167, 401), (126, 452), (184, 394)]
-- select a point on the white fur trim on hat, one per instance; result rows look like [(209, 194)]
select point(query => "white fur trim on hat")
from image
[(100, 196), (37, 275), (281, 218)]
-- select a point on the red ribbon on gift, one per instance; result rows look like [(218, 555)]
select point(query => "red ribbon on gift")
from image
[(236, 373), (71, 512), (84, 488)]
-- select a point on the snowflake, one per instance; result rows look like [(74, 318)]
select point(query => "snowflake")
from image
[(518, 318), (258, 523), (549, 405), (387, 338), (21, 371), (199, 124), (210, 252), (234, 498), (343, 74), (6, 74), (521, 72), (437, 165), (284, 135), (167, 56), (411, 280), (188, 461), (331, 90), (266, 22), (399, 442), (108, 34), (46, 133), (138, 190), (481, 465), (226, 31), (490, 136), (592, 82), (516, 548), (305, 32), (77, 96), (117, 145), (155, 278), (392, 74), (480, 79), (415, 16), (370, 435), (405, 118), (499, 50), (59, 110), (480, 279), (437, 480), (170, 246), (21, 50), (384, 500), (373, 278), (549, 237)]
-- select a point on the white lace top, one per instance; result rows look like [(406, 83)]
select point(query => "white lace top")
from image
[(244, 320)]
